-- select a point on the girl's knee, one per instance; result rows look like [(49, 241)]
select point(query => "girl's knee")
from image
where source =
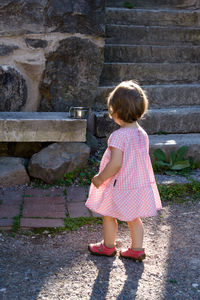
[(107, 218)]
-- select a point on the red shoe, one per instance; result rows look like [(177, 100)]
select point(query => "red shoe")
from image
[(132, 254), (101, 249)]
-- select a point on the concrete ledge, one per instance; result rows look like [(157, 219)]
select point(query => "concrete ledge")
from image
[(41, 127)]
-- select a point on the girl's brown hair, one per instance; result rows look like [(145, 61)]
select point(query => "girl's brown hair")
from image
[(128, 101)]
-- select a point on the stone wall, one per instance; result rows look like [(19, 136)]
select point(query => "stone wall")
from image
[(51, 53)]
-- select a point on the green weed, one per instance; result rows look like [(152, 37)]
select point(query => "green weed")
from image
[(128, 5), (176, 163), (180, 193), (74, 223)]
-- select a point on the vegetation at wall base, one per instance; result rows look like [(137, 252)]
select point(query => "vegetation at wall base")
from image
[(176, 163), (180, 193), (128, 5)]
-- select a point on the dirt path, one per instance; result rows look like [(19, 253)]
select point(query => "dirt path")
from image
[(60, 267)]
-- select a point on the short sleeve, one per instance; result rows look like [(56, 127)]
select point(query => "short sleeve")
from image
[(116, 140)]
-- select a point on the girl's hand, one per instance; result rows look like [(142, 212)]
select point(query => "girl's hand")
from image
[(97, 181)]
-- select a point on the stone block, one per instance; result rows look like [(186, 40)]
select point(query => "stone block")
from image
[(12, 171), (77, 209), (148, 35), (49, 206), (11, 197), (42, 212), (157, 4), (152, 53), (152, 17), (44, 200), (45, 193), (36, 43), (147, 73), (83, 60), (157, 120), (76, 194), (166, 95), (9, 211), (96, 215), (7, 49), (83, 16), (53, 162), (41, 127), (26, 223), (6, 224), (13, 88)]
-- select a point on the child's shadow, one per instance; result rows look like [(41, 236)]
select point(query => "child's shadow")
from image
[(105, 265), (134, 272), (100, 287)]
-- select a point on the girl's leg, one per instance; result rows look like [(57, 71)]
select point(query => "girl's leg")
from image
[(110, 227), (137, 232)]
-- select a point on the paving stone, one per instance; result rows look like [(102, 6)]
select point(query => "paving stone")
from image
[(43, 192), (78, 209), (42, 206), (43, 212), (7, 211), (95, 214), (11, 197), (13, 194), (26, 223), (45, 200), (6, 224), (77, 193)]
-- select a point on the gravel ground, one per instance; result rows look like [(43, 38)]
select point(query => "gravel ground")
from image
[(46, 266)]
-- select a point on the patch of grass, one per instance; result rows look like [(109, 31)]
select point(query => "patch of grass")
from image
[(173, 280), (128, 5), (75, 223), (50, 230), (27, 196), (180, 193), (16, 221), (38, 183)]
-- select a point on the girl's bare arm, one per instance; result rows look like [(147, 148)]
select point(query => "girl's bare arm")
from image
[(111, 168)]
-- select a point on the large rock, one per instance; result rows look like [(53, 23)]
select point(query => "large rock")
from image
[(7, 49), (71, 76), (13, 89), (83, 16), (39, 16), (53, 162), (12, 171), (22, 16), (36, 43)]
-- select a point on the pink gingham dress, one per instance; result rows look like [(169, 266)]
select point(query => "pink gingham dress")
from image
[(132, 192)]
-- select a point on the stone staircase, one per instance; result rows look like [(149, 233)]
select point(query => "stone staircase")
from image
[(156, 43)]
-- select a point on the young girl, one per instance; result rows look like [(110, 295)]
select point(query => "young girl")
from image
[(125, 186)]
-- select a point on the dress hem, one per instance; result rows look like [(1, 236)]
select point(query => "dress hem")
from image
[(127, 220)]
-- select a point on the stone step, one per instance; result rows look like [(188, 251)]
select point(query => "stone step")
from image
[(172, 120), (154, 3), (160, 96), (152, 35), (172, 142), (152, 17), (147, 73), (41, 127), (151, 54)]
